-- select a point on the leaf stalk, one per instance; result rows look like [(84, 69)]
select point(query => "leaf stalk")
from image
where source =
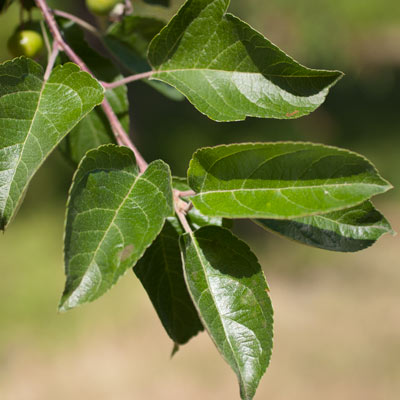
[(52, 59), (90, 28), (181, 209), (128, 79)]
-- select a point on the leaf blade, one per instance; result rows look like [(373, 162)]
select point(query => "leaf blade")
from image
[(114, 214), (280, 180), (35, 115), (161, 273), (228, 71), (229, 290), (349, 230)]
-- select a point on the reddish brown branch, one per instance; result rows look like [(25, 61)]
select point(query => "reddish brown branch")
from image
[(119, 132)]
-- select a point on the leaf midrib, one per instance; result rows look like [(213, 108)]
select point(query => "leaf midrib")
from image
[(24, 143), (350, 226), (272, 157), (170, 71), (194, 241), (202, 193), (106, 232)]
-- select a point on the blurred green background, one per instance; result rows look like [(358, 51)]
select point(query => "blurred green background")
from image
[(337, 329)]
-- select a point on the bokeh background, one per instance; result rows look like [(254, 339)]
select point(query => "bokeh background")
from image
[(337, 316)]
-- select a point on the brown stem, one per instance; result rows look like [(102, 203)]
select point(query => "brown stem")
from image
[(52, 24), (52, 59), (128, 79), (128, 7), (78, 21), (183, 220), (119, 132), (121, 136), (181, 209), (187, 193), (45, 37)]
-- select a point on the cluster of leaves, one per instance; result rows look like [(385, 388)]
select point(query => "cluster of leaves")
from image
[(198, 274)]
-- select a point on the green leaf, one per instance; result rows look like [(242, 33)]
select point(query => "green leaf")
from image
[(94, 130), (229, 290), (35, 115), (114, 214), (230, 71), (129, 39), (348, 230), (161, 273), (164, 3), (280, 180)]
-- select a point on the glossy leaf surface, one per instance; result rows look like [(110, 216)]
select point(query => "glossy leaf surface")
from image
[(229, 290), (230, 71), (129, 40), (280, 180), (161, 273), (348, 230), (35, 115), (114, 214)]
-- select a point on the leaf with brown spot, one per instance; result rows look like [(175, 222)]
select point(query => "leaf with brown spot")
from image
[(114, 214)]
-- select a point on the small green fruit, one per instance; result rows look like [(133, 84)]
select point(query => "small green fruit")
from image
[(25, 43), (101, 7)]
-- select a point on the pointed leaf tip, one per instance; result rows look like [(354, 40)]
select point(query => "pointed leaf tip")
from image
[(228, 71), (349, 230), (228, 288), (281, 180)]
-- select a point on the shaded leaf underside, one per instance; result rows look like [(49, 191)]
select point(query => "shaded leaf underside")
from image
[(161, 273), (348, 230)]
